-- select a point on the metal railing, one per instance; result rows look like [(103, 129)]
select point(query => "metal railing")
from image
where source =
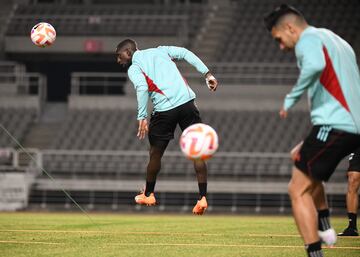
[(229, 167), (17, 175), (20, 159), (82, 83), (251, 73), (237, 180), (24, 83), (113, 177)]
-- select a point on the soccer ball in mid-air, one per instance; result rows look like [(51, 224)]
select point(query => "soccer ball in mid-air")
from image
[(43, 34), (199, 141)]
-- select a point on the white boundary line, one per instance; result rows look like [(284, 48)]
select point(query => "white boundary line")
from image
[(112, 233), (152, 233), (28, 242), (231, 245), (185, 245)]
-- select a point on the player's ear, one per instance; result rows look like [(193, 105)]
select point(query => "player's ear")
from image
[(128, 52), (290, 27)]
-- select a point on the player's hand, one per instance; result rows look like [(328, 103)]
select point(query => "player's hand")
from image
[(283, 113), (294, 153), (143, 128), (211, 81)]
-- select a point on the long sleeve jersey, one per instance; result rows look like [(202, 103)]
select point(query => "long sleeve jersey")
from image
[(154, 74), (329, 73)]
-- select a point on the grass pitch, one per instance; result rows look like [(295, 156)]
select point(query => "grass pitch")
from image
[(73, 234)]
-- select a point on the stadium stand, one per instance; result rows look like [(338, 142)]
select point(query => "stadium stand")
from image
[(94, 153), (111, 130), (18, 121), (123, 19), (248, 40)]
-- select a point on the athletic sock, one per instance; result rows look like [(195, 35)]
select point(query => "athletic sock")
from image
[(352, 220), (149, 187), (202, 189), (314, 249), (323, 220)]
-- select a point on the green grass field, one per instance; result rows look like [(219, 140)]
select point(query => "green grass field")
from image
[(67, 234)]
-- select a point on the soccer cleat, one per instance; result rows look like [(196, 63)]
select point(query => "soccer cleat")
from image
[(200, 206), (145, 200), (328, 236), (349, 232)]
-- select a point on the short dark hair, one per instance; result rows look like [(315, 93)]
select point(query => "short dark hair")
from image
[(127, 43), (272, 18)]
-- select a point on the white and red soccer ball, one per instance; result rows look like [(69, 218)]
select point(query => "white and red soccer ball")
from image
[(199, 141), (43, 34)]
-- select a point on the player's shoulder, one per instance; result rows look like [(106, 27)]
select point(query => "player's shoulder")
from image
[(309, 38), (133, 69), (311, 33), (163, 48)]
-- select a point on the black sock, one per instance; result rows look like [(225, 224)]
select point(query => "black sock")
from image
[(323, 220), (149, 187), (314, 249), (202, 189), (352, 220)]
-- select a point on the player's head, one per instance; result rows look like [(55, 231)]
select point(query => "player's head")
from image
[(125, 50), (285, 24)]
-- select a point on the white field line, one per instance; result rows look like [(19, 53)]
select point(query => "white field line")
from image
[(28, 242), (150, 233), (230, 245), (111, 233), (186, 245)]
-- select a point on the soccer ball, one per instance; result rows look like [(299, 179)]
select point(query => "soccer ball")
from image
[(43, 34), (199, 141)]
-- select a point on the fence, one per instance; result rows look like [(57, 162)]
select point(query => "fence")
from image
[(15, 81), (104, 83), (110, 179)]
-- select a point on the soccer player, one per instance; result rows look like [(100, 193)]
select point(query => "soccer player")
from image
[(330, 75), (352, 197), (155, 75)]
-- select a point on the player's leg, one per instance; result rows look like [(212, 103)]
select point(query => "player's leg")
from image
[(161, 131), (324, 228), (319, 155), (304, 211), (326, 232), (352, 203), (154, 165), (190, 115), (352, 197), (201, 175)]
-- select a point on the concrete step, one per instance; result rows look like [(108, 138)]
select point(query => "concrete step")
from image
[(54, 112), (41, 135), (218, 20)]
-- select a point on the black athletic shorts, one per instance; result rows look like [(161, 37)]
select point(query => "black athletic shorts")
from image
[(354, 161), (323, 149), (163, 124)]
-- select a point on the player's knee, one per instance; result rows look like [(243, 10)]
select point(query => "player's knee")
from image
[(292, 190), (296, 190), (156, 153), (353, 183)]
